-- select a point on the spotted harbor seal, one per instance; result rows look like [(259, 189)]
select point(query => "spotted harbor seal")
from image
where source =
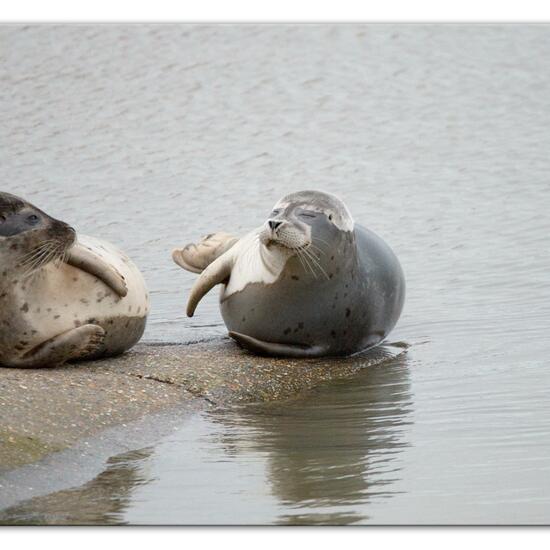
[(63, 298), (309, 282)]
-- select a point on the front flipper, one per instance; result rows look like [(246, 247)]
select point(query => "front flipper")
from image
[(217, 272), (197, 257), (68, 346), (280, 350), (83, 258)]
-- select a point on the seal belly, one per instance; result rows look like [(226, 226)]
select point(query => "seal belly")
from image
[(351, 309), (61, 297), (296, 311)]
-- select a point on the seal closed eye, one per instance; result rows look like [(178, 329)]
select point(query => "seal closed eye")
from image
[(63, 297), (309, 282)]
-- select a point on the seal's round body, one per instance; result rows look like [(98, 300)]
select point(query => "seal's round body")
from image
[(61, 297), (308, 283)]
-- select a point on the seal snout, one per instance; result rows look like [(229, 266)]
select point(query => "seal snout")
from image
[(274, 224), (286, 234), (62, 232)]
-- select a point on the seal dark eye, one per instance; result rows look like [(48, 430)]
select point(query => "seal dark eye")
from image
[(32, 219), (307, 214), (330, 217)]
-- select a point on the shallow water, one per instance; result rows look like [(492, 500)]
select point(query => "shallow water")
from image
[(437, 137)]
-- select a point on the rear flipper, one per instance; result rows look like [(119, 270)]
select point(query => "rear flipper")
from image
[(277, 350), (197, 257), (74, 344)]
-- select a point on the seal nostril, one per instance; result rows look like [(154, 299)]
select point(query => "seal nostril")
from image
[(274, 224)]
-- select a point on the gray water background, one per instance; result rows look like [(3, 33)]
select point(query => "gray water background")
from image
[(438, 139)]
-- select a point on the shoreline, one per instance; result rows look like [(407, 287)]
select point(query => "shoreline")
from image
[(85, 412)]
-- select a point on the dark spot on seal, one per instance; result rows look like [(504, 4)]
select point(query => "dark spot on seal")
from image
[(348, 312), (332, 257), (14, 246), (243, 319), (333, 333), (330, 275), (296, 278), (56, 316), (75, 279), (300, 325), (25, 307), (286, 331)]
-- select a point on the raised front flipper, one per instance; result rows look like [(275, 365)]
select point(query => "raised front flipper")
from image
[(277, 350), (83, 258), (217, 272), (197, 257), (68, 346)]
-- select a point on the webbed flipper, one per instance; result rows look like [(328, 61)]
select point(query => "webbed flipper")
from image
[(197, 257), (74, 344), (83, 258), (277, 350)]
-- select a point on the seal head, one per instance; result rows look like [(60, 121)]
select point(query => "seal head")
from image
[(29, 238), (302, 224)]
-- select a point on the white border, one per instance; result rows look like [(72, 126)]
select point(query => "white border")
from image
[(290, 537), (278, 11)]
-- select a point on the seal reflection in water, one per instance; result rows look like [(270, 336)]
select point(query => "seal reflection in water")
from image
[(63, 298), (309, 282)]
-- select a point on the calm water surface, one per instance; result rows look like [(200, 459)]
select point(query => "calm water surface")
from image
[(437, 137)]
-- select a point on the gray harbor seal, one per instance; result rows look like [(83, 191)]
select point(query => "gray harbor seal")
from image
[(307, 283), (63, 297)]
